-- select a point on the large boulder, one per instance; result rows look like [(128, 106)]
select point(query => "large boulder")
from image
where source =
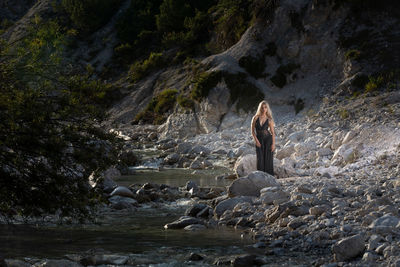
[(179, 125), (122, 191), (106, 181), (348, 248), (252, 184), (245, 165), (271, 194), (229, 204), (182, 222)]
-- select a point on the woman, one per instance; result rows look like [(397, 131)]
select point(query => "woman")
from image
[(264, 138)]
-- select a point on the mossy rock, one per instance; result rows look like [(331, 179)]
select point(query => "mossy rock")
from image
[(156, 109), (185, 102), (203, 83)]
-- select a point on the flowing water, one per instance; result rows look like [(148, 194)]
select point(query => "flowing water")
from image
[(139, 232)]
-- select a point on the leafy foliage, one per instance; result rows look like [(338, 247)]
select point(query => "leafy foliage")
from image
[(185, 102), (50, 139), (141, 68), (172, 15), (155, 111), (232, 18), (138, 18), (203, 83), (89, 15), (352, 54)]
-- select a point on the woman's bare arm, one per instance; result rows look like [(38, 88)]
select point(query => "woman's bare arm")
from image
[(253, 133), (272, 128)]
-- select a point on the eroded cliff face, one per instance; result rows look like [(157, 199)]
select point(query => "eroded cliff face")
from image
[(305, 37), (296, 53), (314, 42)]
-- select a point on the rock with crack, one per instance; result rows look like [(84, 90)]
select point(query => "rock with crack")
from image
[(251, 184)]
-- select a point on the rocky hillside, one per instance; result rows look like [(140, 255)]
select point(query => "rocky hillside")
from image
[(292, 53)]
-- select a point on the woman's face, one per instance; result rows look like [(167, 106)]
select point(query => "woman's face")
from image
[(263, 108)]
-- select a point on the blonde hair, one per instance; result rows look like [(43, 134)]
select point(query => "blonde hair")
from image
[(269, 112)]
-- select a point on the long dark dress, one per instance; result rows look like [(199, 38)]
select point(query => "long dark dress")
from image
[(264, 153)]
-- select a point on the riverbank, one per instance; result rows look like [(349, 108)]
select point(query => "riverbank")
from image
[(333, 202)]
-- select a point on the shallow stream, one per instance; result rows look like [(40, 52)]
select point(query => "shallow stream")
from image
[(138, 232)]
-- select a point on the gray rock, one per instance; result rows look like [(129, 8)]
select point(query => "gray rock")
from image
[(195, 227), (197, 164), (122, 191), (199, 149), (318, 210), (16, 263), (245, 165), (368, 257), (285, 152), (104, 259), (195, 209), (385, 221), (229, 204), (59, 263), (348, 248), (182, 222), (294, 224), (191, 185), (119, 203), (270, 195), (171, 159), (195, 257), (243, 260), (374, 241), (252, 184), (183, 148), (205, 213)]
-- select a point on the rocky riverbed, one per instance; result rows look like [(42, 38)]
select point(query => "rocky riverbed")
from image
[(334, 200)]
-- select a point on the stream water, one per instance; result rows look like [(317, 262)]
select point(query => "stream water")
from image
[(138, 232)]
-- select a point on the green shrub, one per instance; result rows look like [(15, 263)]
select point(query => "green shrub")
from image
[(343, 113), (50, 137), (203, 83), (185, 102), (165, 101), (254, 66), (137, 18), (172, 15), (156, 109), (231, 19), (142, 68), (352, 54), (89, 15), (374, 83)]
